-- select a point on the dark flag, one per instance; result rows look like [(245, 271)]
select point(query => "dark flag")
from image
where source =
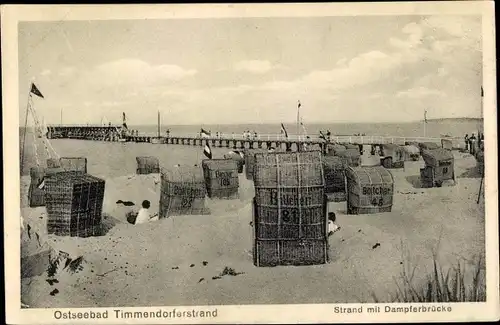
[(283, 131), (205, 134), (322, 136), (35, 91), (425, 116), (299, 104), (207, 151), (482, 92)]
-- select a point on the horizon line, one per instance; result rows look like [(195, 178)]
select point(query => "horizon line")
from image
[(291, 123)]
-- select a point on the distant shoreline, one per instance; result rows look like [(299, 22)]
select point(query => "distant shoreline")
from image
[(455, 119)]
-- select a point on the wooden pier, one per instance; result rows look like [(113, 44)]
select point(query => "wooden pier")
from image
[(116, 133)]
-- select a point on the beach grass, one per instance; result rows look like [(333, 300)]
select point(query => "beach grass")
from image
[(463, 282)]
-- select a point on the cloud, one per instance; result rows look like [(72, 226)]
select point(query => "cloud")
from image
[(419, 92), (433, 63), (46, 72), (133, 71), (254, 66), (360, 70)]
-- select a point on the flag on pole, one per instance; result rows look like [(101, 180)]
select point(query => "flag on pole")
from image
[(42, 184), (425, 116), (322, 136), (237, 152), (283, 131), (124, 120), (205, 134), (207, 151), (34, 90), (482, 92)]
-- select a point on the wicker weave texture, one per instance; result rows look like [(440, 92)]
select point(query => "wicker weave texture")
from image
[(291, 252), (290, 202), (147, 165), (239, 160), (369, 190), (334, 149), (74, 204), (334, 174), (221, 178), (250, 161), (350, 157), (183, 192)]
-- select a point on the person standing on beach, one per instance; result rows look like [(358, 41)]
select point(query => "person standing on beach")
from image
[(472, 144), (466, 142)]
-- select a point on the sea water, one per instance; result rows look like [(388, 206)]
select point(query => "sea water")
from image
[(111, 159)]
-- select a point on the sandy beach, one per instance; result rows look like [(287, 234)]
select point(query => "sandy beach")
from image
[(179, 260)]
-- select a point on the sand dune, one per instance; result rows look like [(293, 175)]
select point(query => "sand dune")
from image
[(174, 261)]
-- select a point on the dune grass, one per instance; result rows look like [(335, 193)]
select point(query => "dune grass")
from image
[(452, 285), (464, 281)]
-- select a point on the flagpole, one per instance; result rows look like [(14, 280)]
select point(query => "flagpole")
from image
[(482, 109), (25, 130), (60, 123), (159, 130), (425, 123), (298, 119)]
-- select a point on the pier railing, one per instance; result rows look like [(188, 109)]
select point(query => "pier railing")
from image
[(364, 139)]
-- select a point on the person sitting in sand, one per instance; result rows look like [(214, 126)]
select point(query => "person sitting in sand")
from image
[(143, 216), (332, 227)]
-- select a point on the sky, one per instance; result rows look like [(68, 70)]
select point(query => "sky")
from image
[(253, 70)]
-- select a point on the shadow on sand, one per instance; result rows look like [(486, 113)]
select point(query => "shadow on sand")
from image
[(414, 180), (107, 223), (473, 172)]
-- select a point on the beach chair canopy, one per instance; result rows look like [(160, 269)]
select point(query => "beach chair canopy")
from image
[(437, 157), (377, 175)]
